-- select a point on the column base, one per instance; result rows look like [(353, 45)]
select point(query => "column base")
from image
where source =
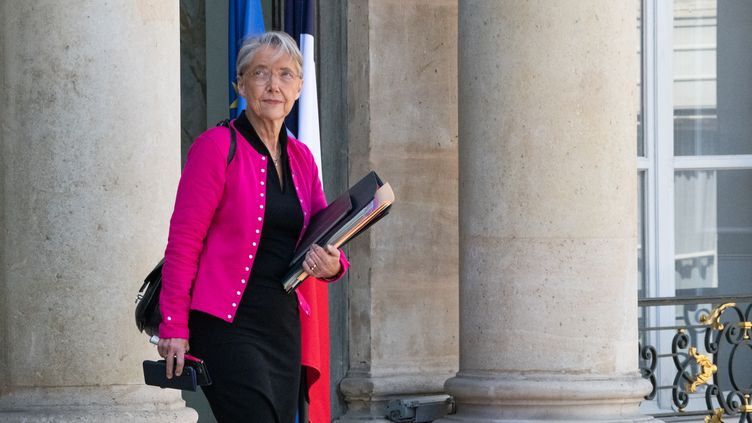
[(367, 396), (543, 397), (100, 404)]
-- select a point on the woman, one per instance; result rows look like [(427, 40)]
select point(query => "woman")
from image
[(232, 236)]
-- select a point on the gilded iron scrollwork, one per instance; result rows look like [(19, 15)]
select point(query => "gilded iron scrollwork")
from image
[(747, 407), (683, 364), (717, 416), (745, 326), (714, 318), (649, 355), (707, 372), (716, 367)]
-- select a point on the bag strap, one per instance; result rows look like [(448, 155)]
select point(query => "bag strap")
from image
[(231, 153), (157, 271)]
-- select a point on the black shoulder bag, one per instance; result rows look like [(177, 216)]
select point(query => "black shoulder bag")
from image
[(148, 316)]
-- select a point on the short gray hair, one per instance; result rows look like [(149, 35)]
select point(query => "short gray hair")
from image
[(277, 40)]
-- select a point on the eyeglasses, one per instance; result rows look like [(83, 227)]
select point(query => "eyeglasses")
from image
[(262, 77)]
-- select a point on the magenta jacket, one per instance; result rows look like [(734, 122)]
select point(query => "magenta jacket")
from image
[(217, 221)]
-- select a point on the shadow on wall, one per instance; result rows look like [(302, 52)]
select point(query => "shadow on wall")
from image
[(197, 401)]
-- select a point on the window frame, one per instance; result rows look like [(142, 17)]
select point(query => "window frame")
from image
[(659, 165)]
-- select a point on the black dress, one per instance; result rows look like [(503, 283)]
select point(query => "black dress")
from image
[(255, 361)]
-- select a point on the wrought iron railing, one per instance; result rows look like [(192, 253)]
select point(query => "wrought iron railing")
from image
[(708, 372)]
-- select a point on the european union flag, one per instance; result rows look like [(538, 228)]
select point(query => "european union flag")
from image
[(246, 19)]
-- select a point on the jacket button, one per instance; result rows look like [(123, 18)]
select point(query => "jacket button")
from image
[(263, 170), (234, 305), (238, 292), (247, 269), (262, 182), (229, 316), (254, 244), (242, 281)]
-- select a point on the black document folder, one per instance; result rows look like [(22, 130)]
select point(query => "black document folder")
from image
[(345, 218), (322, 223)]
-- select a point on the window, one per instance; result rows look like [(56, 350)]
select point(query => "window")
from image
[(694, 144)]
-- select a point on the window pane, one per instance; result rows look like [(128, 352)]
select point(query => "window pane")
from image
[(711, 65), (640, 99), (641, 279), (713, 247)]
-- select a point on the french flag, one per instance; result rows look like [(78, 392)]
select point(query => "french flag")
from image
[(300, 23)]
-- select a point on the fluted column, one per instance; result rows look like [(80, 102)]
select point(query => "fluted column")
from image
[(548, 305), (89, 107)]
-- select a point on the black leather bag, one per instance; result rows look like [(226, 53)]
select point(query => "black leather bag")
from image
[(148, 315)]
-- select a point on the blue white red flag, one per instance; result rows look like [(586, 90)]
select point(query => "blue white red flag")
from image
[(300, 23)]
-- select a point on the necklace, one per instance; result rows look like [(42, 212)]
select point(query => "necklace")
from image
[(276, 159)]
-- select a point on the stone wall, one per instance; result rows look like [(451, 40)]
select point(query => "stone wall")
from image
[(90, 164), (402, 102)]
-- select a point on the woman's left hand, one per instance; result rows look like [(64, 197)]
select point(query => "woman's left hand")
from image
[(322, 263)]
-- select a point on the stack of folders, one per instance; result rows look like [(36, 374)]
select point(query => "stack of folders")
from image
[(345, 218)]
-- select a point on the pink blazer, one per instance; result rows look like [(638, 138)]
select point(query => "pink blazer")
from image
[(216, 227)]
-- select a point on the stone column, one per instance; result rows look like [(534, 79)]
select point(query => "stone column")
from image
[(548, 307), (89, 107), (402, 101)]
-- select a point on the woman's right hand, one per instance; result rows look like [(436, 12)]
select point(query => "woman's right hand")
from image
[(175, 349)]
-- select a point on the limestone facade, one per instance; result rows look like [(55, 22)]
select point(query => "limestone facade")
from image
[(89, 104), (504, 275), (402, 102), (547, 200)]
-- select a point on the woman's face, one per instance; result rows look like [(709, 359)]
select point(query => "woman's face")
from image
[(270, 84)]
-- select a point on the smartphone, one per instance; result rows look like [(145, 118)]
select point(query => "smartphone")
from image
[(198, 366), (155, 374)]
